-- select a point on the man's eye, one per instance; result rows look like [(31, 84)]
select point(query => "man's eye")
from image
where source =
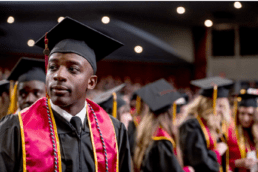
[(73, 69), (37, 93), (23, 95), (52, 67)]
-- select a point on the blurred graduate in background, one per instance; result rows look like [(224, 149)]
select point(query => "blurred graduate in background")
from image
[(202, 140), (157, 147)]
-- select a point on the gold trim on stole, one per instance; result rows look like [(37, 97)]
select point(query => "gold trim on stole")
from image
[(23, 143)]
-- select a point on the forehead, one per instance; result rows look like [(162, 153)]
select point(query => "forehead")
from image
[(71, 59), (67, 56), (31, 85), (246, 109)]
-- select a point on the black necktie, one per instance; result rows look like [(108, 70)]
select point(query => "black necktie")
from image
[(77, 123)]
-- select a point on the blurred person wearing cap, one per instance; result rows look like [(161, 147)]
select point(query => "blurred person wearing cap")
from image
[(64, 131), (4, 97), (157, 146), (244, 141), (113, 104), (30, 83), (202, 140), (138, 110)]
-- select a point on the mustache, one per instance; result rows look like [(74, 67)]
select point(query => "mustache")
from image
[(59, 86)]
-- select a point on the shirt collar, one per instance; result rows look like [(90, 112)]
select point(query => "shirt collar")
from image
[(67, 115)]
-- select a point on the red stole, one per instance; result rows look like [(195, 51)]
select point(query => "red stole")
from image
[(109, 135), (41, 149), (211, 143), (237, 150), (161, 134)]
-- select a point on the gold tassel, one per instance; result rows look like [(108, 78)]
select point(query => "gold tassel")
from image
[(13, 100), (114, 111), (215, 94), (174, 113), (138, 104)]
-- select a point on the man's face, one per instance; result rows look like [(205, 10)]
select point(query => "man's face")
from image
[(29, 92), (68, 78), (245, 116)]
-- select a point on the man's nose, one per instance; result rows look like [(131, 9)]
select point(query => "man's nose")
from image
[(246, 118), (60, 74), (31, 98)]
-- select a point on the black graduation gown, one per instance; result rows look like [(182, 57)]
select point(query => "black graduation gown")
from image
[(131, 136), (76, 151), (194, 148), (160, 156)]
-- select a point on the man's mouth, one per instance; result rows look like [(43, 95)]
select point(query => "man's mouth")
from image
[(59, 89)]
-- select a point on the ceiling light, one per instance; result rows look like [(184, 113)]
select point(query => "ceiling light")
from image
[(208, 23), (180, 10), (237, 5), (60, 19), (31, 43), (105, 19), (10, 19), (138, 49)]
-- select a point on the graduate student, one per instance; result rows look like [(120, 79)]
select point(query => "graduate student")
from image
[(243, 142), (202, 140), (64, 131), (140, 110), (157, 147), (112, 102), (30, 83)]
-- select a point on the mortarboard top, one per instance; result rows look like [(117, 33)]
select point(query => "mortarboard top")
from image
[(158, 95), (28, 69), (71, 36), (4, 86), (207, 85), (105, 100), (248, 97)]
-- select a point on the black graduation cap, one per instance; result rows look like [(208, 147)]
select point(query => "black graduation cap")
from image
[(158, 95), (106, 99), (207, 86), (28, 69), (248, 97), (4, 86), (71, 36)]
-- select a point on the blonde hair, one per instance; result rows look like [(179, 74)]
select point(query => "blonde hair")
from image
[(203, 107), (145, 131)]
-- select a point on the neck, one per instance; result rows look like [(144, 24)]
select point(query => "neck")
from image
[(75, 108)]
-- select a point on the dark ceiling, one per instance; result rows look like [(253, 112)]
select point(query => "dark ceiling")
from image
[(33, 19)]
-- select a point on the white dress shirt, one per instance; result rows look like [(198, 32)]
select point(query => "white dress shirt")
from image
[(68, 116)]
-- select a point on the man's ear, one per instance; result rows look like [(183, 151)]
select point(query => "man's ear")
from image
[(92, 82)]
